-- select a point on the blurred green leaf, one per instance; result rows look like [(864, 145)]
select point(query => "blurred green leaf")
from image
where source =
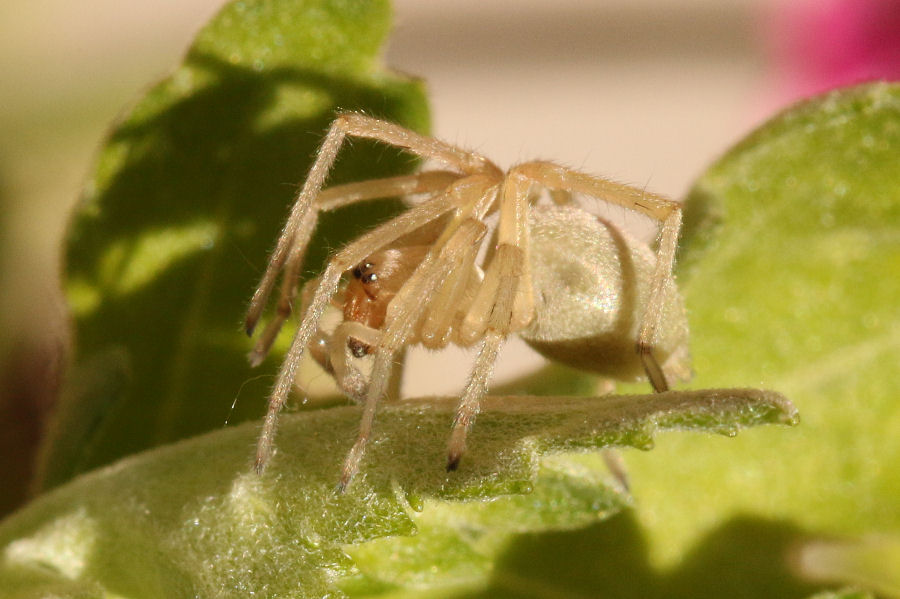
[(870, 563), (186, 199), (191, 519), (797, 291), (845, 593)]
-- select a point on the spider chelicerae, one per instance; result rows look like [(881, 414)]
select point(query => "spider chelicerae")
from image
[(480, 254)]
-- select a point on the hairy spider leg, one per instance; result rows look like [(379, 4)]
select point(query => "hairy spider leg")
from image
[(477, 196), (660, 208), (439, 323), (504, 304)]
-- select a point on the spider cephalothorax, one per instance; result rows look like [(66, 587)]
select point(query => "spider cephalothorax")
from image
[(375, 281), (576, 288)]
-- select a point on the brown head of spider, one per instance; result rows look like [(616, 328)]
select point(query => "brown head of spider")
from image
[(372, 285)]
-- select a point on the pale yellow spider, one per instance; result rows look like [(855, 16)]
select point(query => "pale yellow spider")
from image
[(574, 287)]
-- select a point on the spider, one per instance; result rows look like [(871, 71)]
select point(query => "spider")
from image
[(479, 254)]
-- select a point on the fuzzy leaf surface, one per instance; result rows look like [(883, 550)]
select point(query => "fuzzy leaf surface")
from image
[(191, 519)]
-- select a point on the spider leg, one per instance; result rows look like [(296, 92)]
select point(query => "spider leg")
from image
[(327, 200), (403, 314), (300, 222), (349, 256), (476, 196), (660, 208), (653, 313), (508, 266), (504, 303), (615, 463), (290, 280), (440, 317), (476, 389), (339, 196), (465, 161)]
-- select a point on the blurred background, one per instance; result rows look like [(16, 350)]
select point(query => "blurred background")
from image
[(648, 92)]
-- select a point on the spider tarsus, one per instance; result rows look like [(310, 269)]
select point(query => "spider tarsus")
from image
[(654, 372), (262, 460), (351, 463), (453, 461), (255, 358), (457, 445), (616, 466), (344, 483), (250, 326)]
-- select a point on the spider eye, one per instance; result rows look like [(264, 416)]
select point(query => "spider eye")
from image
[(361, 270), (370, 278)]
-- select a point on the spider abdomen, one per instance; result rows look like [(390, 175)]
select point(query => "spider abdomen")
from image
[(591, 282)]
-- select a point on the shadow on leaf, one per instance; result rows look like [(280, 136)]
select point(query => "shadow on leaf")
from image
[(745, 557), (189, 194)]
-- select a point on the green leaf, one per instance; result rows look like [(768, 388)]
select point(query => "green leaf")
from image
[(869, 563), (796, 291), (191, 519), (186, 199)]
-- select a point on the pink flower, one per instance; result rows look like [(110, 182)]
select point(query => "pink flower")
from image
[(822, 44)]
